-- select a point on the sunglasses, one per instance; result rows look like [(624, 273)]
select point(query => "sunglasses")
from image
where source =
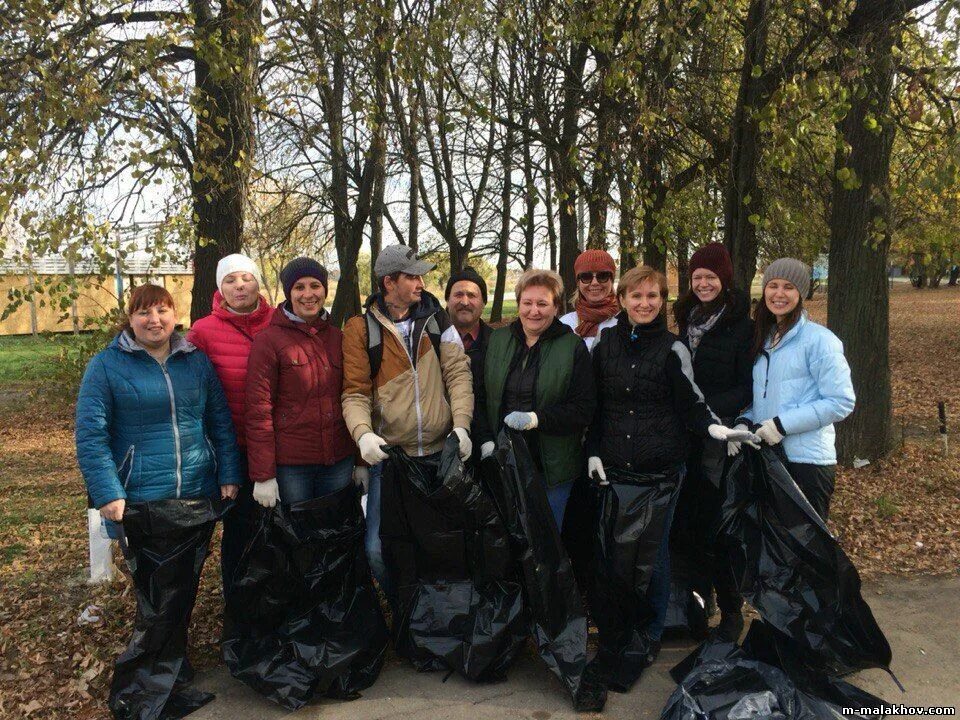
[(602, 277)]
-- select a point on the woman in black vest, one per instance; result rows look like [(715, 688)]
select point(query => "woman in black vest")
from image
[(714, 323), (646, 403), (538, 380)]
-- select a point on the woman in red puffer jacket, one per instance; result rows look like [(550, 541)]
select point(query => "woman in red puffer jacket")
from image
[(226, 336), (297, 441)]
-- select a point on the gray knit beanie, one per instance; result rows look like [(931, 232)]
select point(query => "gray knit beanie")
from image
[(793, 271)]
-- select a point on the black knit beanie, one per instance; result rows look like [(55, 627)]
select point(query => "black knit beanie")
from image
[(302, 267), (468, 273)]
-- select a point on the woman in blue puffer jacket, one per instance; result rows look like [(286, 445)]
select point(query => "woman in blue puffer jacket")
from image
[(152, 419), (801, 382)]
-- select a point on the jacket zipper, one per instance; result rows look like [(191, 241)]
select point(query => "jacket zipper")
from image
[(416, 400), (129, 456), (766, 377), (176, 428)]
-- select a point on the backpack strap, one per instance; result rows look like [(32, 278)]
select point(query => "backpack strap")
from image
[(434, 332), (374, 344)]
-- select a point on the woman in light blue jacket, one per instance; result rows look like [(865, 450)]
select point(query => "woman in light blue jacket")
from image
[(801, 382)]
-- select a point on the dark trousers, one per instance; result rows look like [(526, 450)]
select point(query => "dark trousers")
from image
[(816, 482), (238, 527)]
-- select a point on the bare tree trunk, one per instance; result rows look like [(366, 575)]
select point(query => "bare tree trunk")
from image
[(628, 233), (548, 204), (413, 163), (530, 198), (223, 150), (503, 242), (860, 222), (683, 263), (742, 196)]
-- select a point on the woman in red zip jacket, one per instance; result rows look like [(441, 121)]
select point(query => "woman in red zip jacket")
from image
[(297, 442), (239, 313)]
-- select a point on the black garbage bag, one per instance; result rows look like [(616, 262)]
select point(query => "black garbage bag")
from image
[(553, 601), (579, 528), (303, 620), (460, 601), (165, 543), (720, 681), (792, 570), (632, 521)]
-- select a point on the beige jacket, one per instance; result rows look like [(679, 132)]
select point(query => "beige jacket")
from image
[(411, 404)]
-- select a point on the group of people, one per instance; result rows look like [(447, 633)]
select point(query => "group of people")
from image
[(267, 405)]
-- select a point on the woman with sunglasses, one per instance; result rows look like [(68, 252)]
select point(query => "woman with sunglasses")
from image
[(595, 304)]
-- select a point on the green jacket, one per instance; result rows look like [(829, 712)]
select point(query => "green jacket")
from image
[(565, 397)]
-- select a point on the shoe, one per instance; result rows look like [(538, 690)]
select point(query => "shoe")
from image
[(730, 627), (652, 654)]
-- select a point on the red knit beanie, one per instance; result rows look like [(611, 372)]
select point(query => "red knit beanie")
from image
[(715, 258), (594, 261)]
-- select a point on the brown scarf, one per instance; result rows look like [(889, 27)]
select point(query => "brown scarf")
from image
[(591, 314)]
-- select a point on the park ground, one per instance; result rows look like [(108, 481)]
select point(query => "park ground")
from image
[(898, 519)]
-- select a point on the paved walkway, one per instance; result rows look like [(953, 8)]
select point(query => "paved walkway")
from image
[(920, 617)]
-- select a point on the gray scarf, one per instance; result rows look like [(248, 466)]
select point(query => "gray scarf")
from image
[(699, 327)]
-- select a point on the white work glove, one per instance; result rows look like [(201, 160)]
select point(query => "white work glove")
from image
[(733, 447), (266, 492), (371, 448), (595, 469), (521, 420), (361, 478), (466, 445), (768, 432), (486, 450)]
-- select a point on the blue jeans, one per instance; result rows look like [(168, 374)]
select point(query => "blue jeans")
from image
[(306, 482), (372, 542), (557, 496), (659, 590)]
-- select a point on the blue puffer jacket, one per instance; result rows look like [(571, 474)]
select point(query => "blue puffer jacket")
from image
[(151, 432), (804, 382)]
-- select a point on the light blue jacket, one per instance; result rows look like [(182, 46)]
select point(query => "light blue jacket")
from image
[(147, 431), (805, 382)]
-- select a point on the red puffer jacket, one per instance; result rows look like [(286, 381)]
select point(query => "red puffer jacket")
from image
[(226, 338), (293, 414)]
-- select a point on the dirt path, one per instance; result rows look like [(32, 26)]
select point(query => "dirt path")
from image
[(921, 618)]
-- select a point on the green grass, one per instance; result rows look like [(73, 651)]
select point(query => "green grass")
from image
[(24, 358), (509, 309)]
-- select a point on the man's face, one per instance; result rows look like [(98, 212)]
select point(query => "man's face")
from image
[(465, 305), (406, 291)]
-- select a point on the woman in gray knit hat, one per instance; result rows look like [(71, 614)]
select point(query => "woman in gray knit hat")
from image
[(801, 382)]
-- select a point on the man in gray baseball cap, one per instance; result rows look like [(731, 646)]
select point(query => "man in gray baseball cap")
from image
[(400, 259), (406, 381)]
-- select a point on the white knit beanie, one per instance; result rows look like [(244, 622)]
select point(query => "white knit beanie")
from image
[(236, 263)]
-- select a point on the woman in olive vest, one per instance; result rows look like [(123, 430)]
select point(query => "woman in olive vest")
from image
[(539, 381)]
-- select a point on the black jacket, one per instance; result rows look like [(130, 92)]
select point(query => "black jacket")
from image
[(646, 399), (722, 366), (477, 353)]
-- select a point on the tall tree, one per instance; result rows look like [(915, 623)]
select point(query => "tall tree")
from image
[(111, 98), (861, 222)]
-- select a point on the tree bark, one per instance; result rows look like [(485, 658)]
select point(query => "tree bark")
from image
[(224, 137), (683, 264), (503, 239), (742, 196), (860, 223)]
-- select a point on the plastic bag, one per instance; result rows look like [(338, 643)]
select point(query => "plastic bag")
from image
[(632, 520), (303, 619), (556, 614), (165, 543), (720, 681), (461, 604), (792, 570)]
